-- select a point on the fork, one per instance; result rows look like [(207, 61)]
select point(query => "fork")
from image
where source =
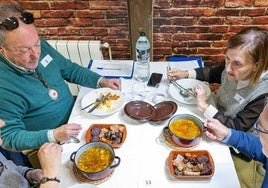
[(183, 91), (102, 100), (96, 101)]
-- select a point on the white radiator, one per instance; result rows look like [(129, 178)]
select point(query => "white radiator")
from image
[(80, 52)]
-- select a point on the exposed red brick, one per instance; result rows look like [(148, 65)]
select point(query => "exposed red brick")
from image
[(211, 21), (172, 12), (184, 36), (238, 20), (261, 3), (238, 3), (198, 43), (228, 12), (260, 20), (220, 43), (210, 36), (57, 14), (116, 14), (90, 14), (81, 22), (162, 37), (73, 5), (34, 5), (253, 12), (180, 27), (107, 5), (94, 31), (199, 11), (197, 29), (51, 22), (210, 51), (163, 4), (186, 21), (219, 29)]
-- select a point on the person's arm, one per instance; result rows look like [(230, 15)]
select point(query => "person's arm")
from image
[(245, 118), (211, 74), (49, 156), (248, 144)]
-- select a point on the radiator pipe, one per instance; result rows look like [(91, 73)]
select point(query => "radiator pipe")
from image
[(106, 45)]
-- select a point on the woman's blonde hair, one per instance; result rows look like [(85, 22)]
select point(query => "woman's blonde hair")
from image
[(254, 41)]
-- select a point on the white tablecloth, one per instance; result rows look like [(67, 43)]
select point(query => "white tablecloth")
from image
[(143, 154)]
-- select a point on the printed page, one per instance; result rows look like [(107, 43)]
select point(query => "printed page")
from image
[(113, 68)]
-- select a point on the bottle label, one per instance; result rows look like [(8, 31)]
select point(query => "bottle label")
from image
[(143, 55)]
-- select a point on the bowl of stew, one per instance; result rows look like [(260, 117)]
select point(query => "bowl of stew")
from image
[(95, 160), (185, 130)]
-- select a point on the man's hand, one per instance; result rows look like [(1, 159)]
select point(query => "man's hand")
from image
[(63, 133)]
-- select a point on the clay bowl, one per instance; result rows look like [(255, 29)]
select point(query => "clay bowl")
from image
[(118, 128), (197, 157), (185, 130), (99, 160)]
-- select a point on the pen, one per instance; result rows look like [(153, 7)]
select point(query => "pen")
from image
[(103, 68)]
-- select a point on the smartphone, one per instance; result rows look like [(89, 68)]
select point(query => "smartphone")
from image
[(154, 79)]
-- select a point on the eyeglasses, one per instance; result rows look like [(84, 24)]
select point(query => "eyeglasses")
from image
[(13, 23), (256, 130)]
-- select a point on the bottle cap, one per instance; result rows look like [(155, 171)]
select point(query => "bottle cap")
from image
[(142, 33)]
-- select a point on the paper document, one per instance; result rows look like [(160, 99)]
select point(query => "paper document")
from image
[(185, 63), (113, 68)]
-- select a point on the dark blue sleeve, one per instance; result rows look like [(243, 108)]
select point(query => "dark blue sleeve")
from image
[(247, 144)]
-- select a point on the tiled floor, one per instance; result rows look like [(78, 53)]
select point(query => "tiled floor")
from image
[(245, 171)]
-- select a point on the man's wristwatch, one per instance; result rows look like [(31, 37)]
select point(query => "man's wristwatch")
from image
[(46, 179)]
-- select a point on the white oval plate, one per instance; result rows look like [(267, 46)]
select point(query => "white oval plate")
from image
[(103, 110), (187, 84)]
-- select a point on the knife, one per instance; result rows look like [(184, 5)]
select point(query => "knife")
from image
[(98, 103), (95, 102)]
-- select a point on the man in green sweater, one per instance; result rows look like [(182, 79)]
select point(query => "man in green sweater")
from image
[(35, 100)]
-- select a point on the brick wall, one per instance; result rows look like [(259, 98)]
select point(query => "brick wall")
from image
[(181, 27)]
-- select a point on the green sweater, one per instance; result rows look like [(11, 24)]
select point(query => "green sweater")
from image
[(26, 107)]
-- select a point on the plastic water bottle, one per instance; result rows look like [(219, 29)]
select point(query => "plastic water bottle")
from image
[(142, 58)]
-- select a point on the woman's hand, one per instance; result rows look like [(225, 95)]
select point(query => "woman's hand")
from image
[(111, 83), (64, 132), (201, 97), (216, 130), (49, 156), (175, 74)]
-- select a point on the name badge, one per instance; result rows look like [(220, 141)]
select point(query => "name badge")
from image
[(238, 98), (46, 60)]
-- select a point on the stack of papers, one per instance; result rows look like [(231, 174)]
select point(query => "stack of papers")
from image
[(185, 62), (113, 68)]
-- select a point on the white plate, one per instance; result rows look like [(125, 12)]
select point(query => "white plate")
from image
[(103, 110), (188, 84), (83, 185)]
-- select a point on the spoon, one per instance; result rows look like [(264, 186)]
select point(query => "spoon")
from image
[(72, 139)]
